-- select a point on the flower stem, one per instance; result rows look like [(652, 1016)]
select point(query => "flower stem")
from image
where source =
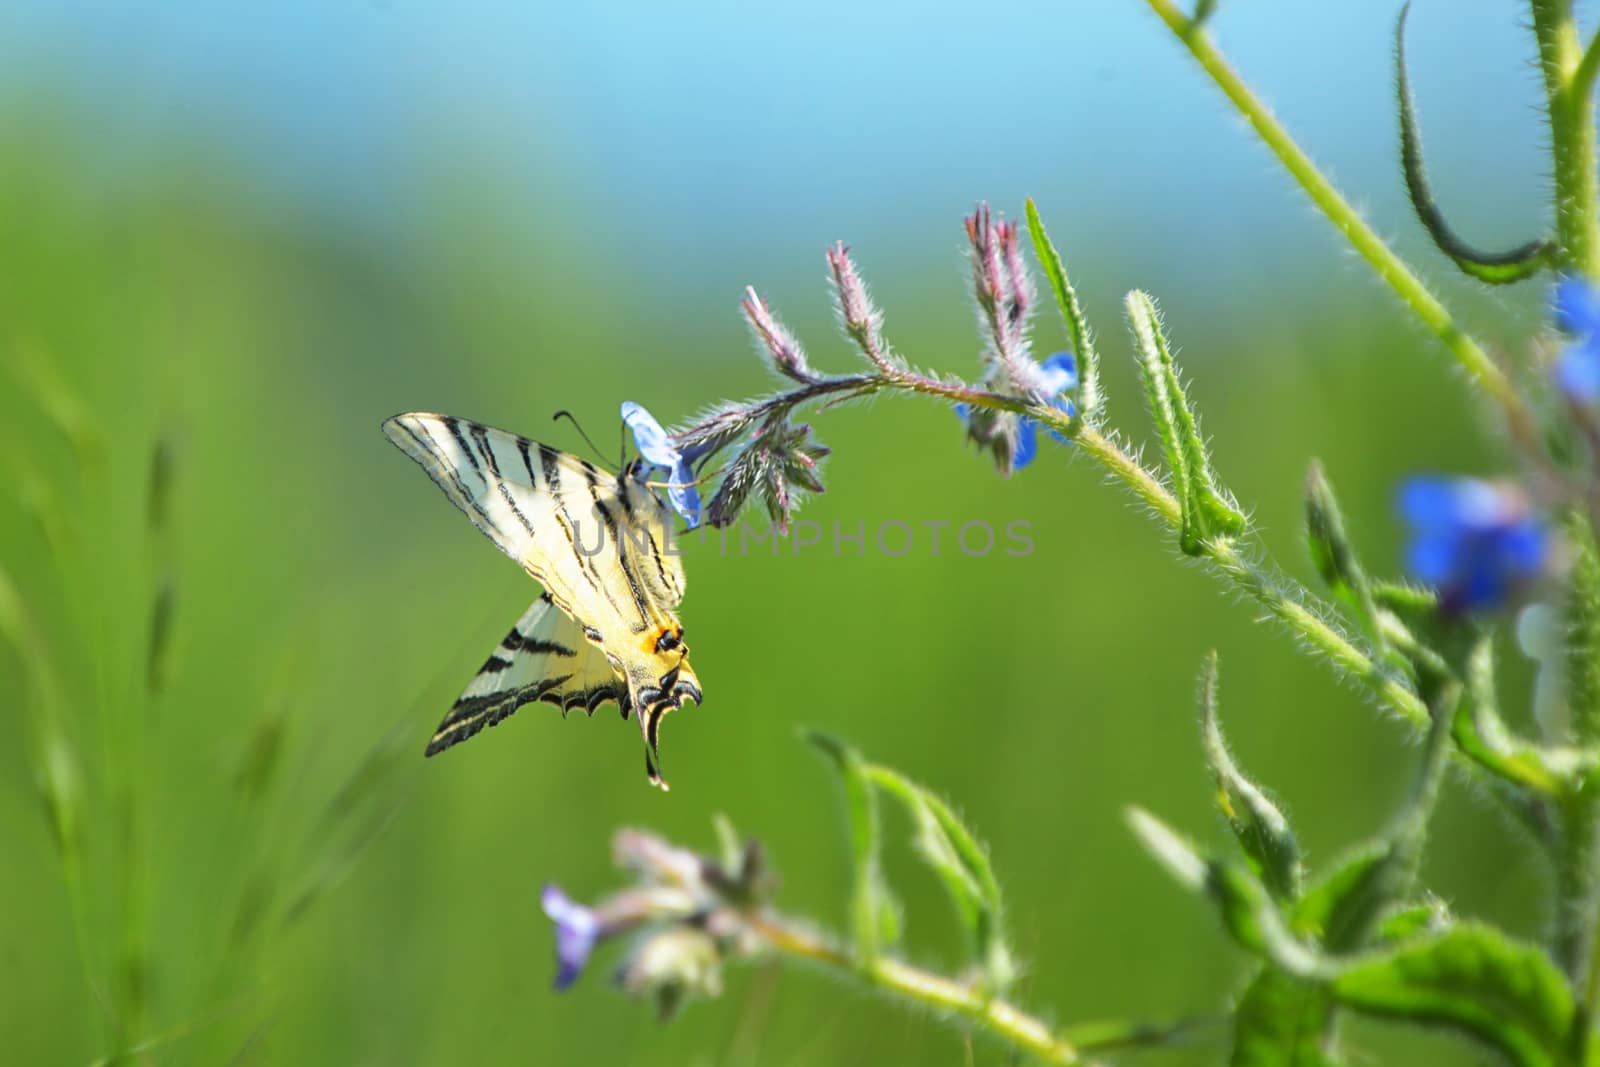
[(1388, 265), (999, 1017), (1568, 81)]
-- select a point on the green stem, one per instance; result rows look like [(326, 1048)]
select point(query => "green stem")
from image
[(1389, 266), (1578, 845), (1279, 595), (1411, 826), (1000, 1018), (1568, 81)]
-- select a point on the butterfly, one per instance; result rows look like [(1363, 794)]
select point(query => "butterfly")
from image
[(606, 625)]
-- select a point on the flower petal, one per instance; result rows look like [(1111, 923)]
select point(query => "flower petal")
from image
[(1577, 371), (1061, 372), (1027, 446), (651, 440), (577, 932), (1475, 541), (1577, 307), (683, 494)]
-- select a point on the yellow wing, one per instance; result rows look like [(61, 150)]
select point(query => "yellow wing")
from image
[(601, 546)]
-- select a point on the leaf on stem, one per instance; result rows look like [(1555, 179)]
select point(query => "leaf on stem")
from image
[(1090, 400), (874, 915), (1495, 268), (962, 864), (1262, 830), (1207, 512), (1473, 979)]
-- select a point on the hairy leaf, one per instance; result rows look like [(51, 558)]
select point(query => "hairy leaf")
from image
[(1473, 979), (962, 864), (873, 915), (1089, 396), (1262, 830)]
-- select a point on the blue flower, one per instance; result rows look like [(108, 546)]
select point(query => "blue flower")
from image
[(1474, 541), (1058, 374), (1577, 308), (656, 447), (577, 932)]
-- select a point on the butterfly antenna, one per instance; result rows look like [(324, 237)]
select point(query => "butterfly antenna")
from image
[(570, 417)]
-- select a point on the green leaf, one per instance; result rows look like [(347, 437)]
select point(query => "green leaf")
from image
[(962, 864), (1335, 557), (1480, 733), (1283, 1021), (1412, 920), (1343, 909), (1473, 979), (1246, 908), (1495, 268), (1207, 512), (874, 918), (1090, 400), (1263, 833)]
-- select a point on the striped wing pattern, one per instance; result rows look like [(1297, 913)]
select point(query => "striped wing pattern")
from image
[(598, 543), (545, 658)]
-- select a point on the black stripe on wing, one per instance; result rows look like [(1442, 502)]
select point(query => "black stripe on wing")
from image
[(472, 714)]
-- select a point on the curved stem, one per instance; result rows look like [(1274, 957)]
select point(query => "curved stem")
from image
[(1390, 267), (1000, 1018)]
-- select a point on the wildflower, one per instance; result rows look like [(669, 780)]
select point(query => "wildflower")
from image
[(1474, 541), (656, 447), (1577, 308), (577, 932), (672, 965), (1014, 439)]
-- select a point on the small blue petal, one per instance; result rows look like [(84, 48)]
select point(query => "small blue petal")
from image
[(1427, 501), (655, 445), (1061, 372), (577, 932), (1474, 541), (648, 436), (1577, 307), (1578, 370), (684, 496), (1432, 557), (1027, 444), (964, 411), (1525, 547)]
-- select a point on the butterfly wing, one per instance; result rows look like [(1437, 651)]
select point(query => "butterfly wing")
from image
[(545, 658), (597, 542)]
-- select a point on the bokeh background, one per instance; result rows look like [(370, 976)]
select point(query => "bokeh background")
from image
[(238, 238)]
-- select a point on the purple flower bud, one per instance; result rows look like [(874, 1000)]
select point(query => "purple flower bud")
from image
[(781, 345)]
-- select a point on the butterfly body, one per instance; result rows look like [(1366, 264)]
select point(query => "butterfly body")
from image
[(606, 626)]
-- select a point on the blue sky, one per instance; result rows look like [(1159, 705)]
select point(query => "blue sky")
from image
[(704, 130)]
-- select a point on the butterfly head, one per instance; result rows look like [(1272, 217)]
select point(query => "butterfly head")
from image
[(662, 681)]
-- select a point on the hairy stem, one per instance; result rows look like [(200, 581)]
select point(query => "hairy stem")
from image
[(1568, 80), (1000, 1018), (1389, 266)]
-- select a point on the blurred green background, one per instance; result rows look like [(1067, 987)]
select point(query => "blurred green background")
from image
[(242, 240)]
